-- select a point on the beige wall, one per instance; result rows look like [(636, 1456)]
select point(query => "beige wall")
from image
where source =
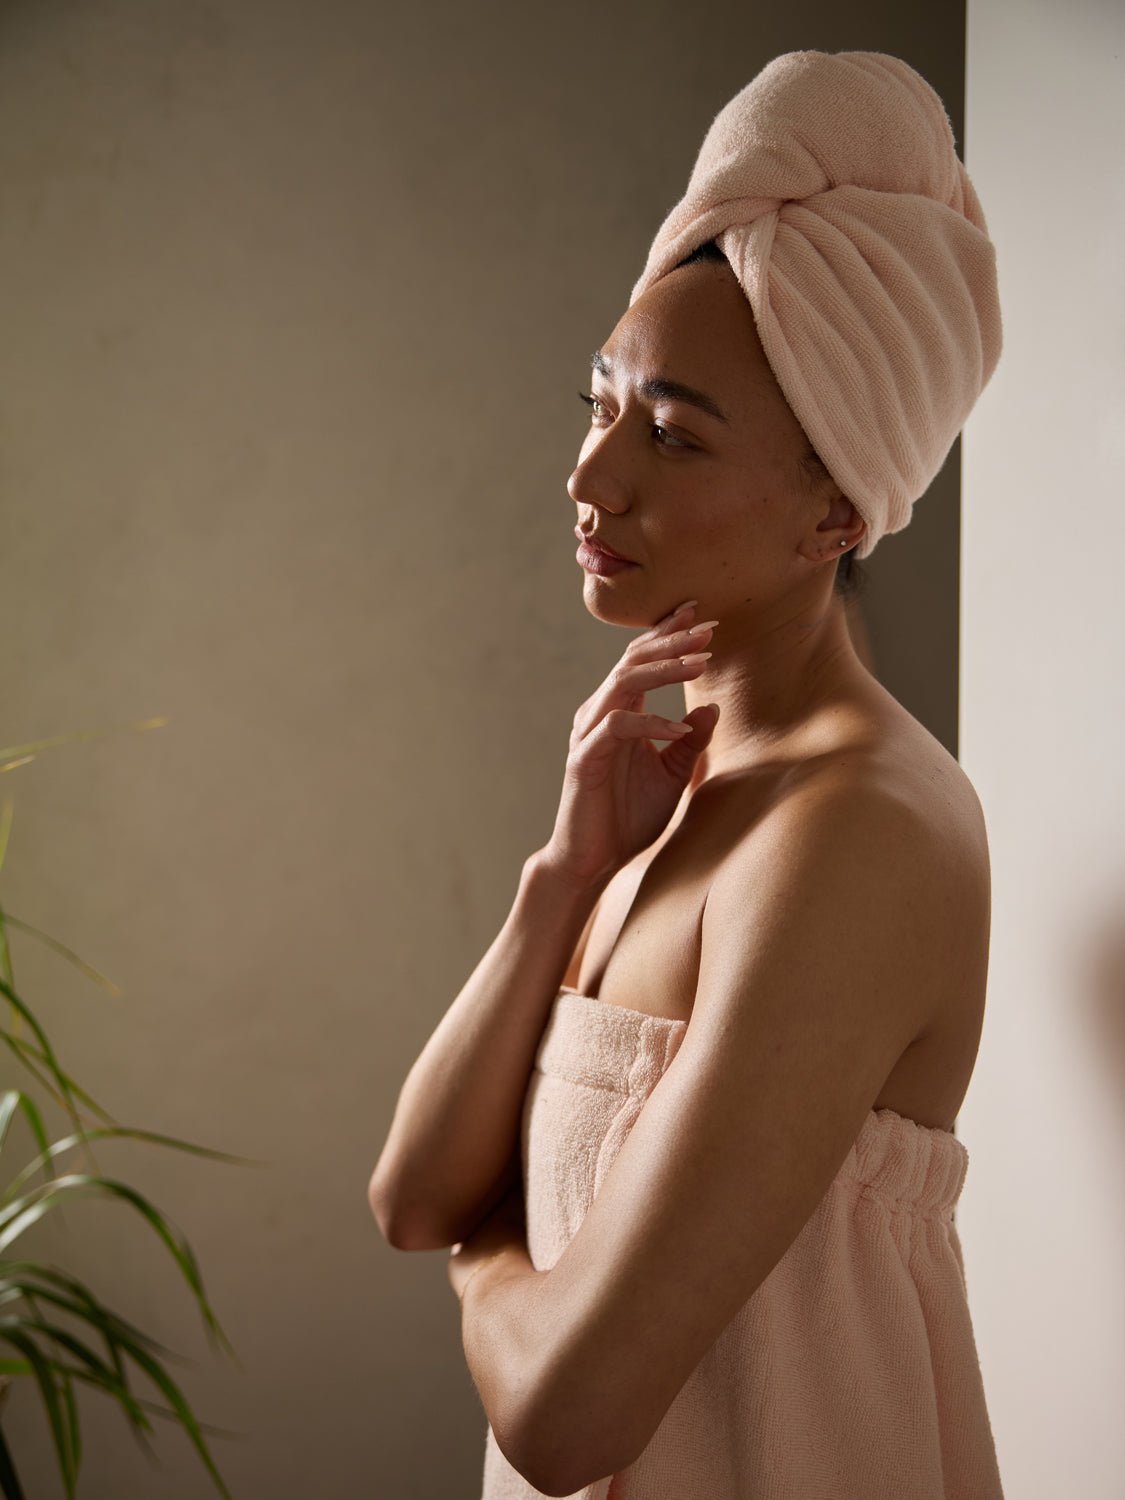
[(296, 301), (1043, 737)]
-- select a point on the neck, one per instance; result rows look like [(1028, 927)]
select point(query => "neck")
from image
[(773, 680)]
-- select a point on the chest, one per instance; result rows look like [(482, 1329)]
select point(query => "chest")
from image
[(643, 944), (642, 949)]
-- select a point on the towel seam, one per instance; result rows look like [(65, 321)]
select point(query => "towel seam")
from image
[(899, 1205), (587, 1083)]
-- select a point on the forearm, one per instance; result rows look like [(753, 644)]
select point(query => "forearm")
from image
[(514, 1323), (501, 1321), (456, 1122)]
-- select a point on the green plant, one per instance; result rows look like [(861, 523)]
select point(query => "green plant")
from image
[(36, 1334)]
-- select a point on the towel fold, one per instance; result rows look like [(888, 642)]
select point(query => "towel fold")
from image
[(832, 185)]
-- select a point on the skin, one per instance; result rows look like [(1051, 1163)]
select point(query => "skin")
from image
[(728, 520), (849, 910)]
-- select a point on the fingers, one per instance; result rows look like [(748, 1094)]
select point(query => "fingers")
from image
[(672, 651), (679, 615), (710, 712), (675, 635), (648, 664), (628, 682), (680, 756), (623, 724)]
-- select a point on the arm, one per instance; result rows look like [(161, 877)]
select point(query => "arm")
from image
[(796, 1026), (452, 1150), (453, 1146)]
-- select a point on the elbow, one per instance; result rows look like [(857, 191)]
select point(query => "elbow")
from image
[(385, 1219), (559, 1454), (402, 1229), (554, 1411), (556, 1464), (410, 1224)]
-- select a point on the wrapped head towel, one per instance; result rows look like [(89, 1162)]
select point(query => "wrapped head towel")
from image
[(832, 185)]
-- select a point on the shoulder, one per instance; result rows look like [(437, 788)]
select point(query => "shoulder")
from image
[(892, 800), (866, 866), (840, 806)]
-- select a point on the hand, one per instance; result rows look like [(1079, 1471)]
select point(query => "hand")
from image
[(503, 1227), (619, 791)]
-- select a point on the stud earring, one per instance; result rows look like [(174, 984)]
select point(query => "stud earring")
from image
[(843, 542)]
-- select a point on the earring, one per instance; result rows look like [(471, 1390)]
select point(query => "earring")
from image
[(843, 542)]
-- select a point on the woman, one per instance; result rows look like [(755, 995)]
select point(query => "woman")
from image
[(688, 1127)]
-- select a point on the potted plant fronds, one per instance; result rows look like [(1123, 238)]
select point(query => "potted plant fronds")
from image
[(34, 1297)]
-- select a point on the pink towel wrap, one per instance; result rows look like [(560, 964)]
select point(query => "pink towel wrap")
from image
[(851, 1373)]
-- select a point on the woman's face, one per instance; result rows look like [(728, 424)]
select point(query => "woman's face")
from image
[(711, 507)]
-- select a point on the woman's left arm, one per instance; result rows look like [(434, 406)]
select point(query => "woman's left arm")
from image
[(808, 994)]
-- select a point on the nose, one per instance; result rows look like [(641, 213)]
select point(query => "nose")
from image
[(591, 484)]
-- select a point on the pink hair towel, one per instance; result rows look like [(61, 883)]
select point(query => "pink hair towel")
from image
[(831, 183)]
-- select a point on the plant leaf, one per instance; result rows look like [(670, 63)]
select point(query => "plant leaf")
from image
[(23, 753), (22, 1047), (43, 1371), (48, 1051), (9, 1483), (80, 963), (19, 1216), (10, 1101), (82, 1303), (56, 1148)]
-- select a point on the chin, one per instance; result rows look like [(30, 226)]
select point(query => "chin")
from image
[(611, 607)]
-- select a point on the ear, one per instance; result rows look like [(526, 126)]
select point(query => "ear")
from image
[(839, 522)]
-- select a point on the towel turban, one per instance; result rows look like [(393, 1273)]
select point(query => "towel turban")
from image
[(832, 186)]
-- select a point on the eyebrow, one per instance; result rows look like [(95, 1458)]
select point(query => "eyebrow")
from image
[(656, 388)]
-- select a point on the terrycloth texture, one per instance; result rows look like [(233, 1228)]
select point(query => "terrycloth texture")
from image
[(832, 185), (851, 1373)]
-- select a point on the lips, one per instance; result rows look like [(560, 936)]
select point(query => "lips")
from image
[(600, 546)]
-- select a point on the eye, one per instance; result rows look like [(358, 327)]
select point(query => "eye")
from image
[(592, 401)]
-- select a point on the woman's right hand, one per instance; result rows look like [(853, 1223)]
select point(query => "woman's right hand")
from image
[(619, 790)]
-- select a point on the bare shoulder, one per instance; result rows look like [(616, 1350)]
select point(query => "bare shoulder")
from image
[(876, 850), (898, 783), (903, 782), (846, 817)]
